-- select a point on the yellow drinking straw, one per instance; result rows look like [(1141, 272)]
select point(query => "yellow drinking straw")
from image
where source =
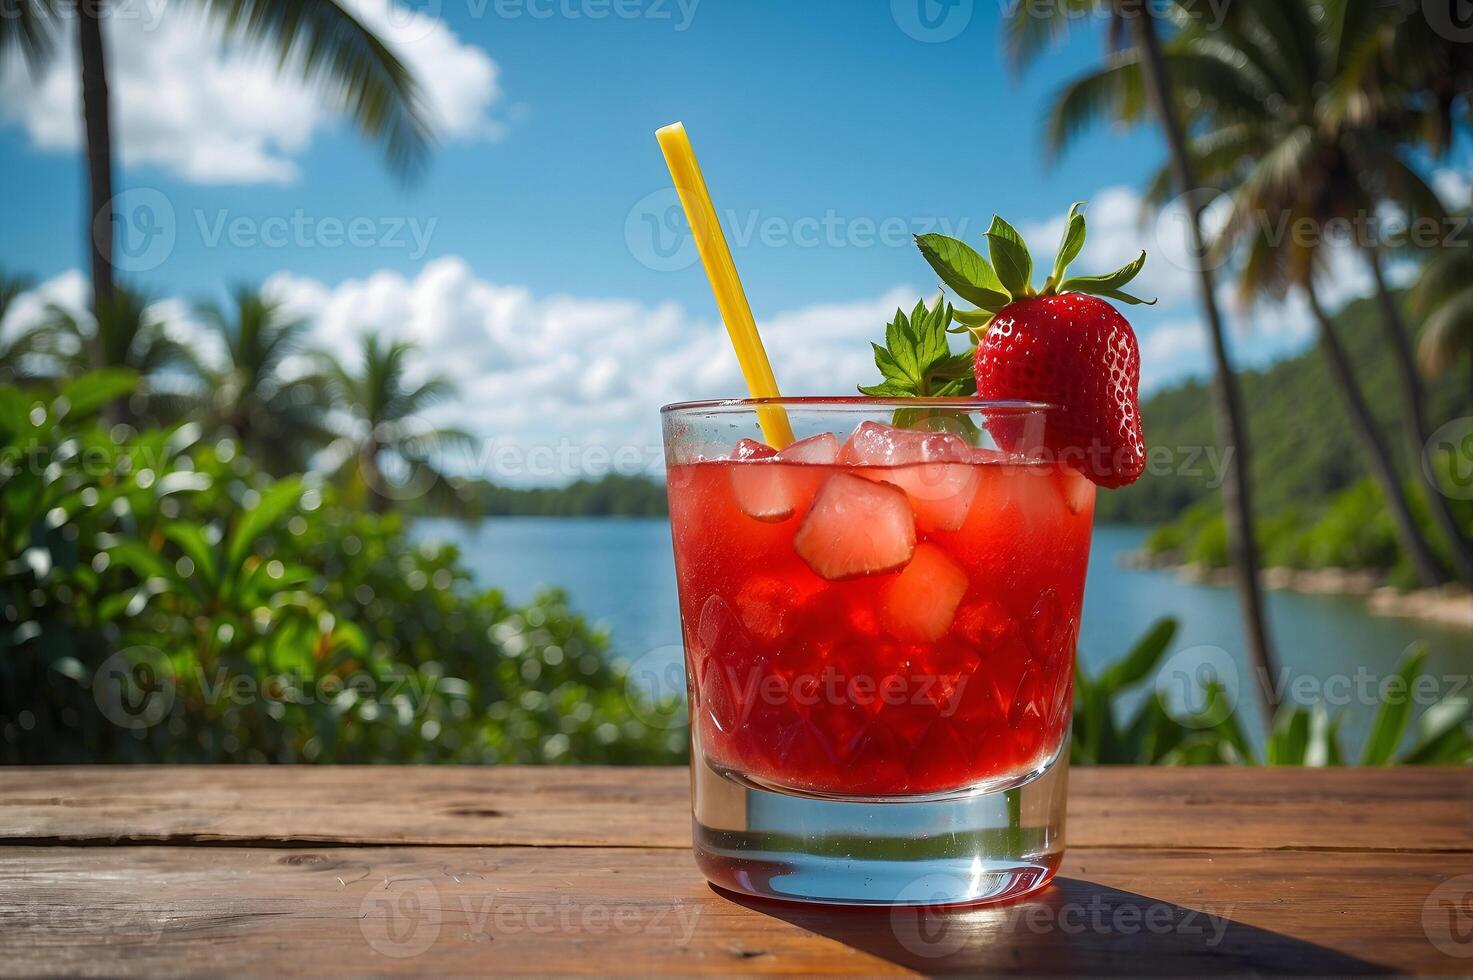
[(731, 299)]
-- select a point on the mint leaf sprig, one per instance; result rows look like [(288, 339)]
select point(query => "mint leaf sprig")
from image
[(1008, 276), (916, 360)]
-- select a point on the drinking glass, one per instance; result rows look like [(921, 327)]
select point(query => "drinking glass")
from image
[(879, 626)]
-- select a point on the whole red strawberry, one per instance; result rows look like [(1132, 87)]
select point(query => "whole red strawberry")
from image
[(1062, 344), (1074, 351)]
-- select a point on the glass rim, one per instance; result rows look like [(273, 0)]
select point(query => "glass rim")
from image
[(859, 403)]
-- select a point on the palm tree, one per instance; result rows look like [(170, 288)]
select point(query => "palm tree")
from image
[(1394, 53), (321, 39), (1275, 122), (387, 408), (1135, 75), (126, 331), (276, 416), (1273, 117)]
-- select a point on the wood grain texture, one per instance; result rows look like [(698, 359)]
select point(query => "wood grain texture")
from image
[(1383, 809), (149, 870), (453, 910)]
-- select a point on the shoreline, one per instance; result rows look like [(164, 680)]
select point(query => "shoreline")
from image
[(1448, 605)]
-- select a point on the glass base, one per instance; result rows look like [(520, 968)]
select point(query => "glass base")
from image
[(964, 850)]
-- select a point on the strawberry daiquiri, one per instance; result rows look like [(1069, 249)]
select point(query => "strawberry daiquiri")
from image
[(880, 612), (893, 616)]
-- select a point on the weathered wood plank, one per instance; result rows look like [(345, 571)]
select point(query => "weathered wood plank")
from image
[(175, 910), (1387, 809)]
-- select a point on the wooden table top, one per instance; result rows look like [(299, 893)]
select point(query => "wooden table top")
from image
[(146, 870)]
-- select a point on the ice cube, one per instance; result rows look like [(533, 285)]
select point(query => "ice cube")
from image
[(921, 602), (748, 449), (873, 444), (941, 494), (767, 491), (822, 448), (856, 527), (770, 492)]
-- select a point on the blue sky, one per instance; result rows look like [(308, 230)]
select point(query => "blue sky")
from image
[(797, 109), (522, 261)]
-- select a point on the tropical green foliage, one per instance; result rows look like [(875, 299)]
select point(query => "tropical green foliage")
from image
[(263, 621), (1306, 467), (1351, 530), (1199, 725)]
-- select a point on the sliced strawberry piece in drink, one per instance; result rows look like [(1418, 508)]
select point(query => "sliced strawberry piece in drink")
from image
[(921, 603), (856, 527), (822, 448)]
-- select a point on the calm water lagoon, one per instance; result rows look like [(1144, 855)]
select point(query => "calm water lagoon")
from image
[(619, 573)]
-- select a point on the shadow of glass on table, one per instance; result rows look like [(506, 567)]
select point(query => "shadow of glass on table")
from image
[(1073, 927)]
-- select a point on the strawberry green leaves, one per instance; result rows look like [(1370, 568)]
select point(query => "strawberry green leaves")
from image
[(1010, 258), (916, 361), (1070, 247), (968, 274), (1109, 285), (1007, 277)]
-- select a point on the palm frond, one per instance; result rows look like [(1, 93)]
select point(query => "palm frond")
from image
[(332, 47), (1033, 26), (1115, 92), (1282, 41), (1448, 332), (29, 27), (1444, 275)]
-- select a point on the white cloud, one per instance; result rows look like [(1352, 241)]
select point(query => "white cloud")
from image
[(219, 113), (568, 372), (70, 290)]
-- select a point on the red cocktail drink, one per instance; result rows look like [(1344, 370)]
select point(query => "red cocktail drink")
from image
[(879, 613)]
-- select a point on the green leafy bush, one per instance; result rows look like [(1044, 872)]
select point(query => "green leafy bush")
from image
[(162, 600), (1205, 729)]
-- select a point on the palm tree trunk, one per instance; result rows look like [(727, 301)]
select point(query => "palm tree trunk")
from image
[(1378, 455), (1414, 421), (373, 477), (97, 128), (1227, 403)]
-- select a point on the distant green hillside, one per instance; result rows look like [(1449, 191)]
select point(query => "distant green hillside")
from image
[(1304, 452), (611, 496)]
